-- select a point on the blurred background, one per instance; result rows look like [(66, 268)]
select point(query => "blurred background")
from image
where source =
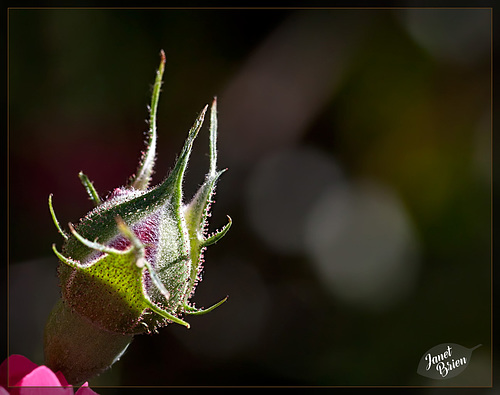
[(358, 144)]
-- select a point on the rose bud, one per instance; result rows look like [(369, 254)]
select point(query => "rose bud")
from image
[(131, 264)]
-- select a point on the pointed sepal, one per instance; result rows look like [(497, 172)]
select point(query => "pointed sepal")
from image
[(194, 311), (143, 175)]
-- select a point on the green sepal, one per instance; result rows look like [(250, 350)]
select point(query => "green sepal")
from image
[(217, 235), (143, 176), (89, 187), (167, 315), (56, 222), (97, 246), (68, 261), (197, 211), (194, 311)]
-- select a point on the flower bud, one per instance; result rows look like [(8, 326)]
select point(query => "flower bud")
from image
[(131, 264)]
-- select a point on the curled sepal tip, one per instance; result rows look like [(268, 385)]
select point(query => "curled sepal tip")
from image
[(68, 261), (54, 218), (217, 235), (93, 244), (194, 311)]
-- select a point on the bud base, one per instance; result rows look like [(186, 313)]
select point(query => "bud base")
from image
[(77, 348)]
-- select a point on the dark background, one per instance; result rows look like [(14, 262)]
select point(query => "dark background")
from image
[(358, 144)]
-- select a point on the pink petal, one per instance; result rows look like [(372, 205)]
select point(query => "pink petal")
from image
[(16, 367), (42, 376), (27, 378), (85, 390), (42, 391), (34, 383)]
